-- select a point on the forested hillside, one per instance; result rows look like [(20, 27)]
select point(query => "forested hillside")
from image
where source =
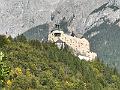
[(38, 65)]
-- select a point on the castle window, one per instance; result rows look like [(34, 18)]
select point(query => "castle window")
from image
[(57, 34)]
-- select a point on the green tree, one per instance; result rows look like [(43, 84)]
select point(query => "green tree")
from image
[(21, 38), (3, 40), (4, 70)]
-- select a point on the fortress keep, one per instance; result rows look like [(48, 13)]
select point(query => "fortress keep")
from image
[(80, 46)]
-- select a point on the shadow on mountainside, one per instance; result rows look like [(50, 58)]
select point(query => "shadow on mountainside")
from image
[(37, 33), (106, 42)]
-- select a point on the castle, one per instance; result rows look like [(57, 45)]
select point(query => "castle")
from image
[(80, 46)]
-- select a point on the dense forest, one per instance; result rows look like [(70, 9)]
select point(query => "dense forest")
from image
[(34, 65)]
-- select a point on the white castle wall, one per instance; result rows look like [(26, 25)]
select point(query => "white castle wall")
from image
[(80, 45)]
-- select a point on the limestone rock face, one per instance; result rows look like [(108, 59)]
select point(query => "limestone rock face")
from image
[(86, 13), (17, 16), (79, 8)]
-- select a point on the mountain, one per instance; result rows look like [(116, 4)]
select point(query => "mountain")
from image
[(82, 14), (76, 12), (104, 39), (103, 32), (18, 16)]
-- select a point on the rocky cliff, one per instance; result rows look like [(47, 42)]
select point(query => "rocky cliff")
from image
[(82, 14), (18, 16), (76, 12)]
